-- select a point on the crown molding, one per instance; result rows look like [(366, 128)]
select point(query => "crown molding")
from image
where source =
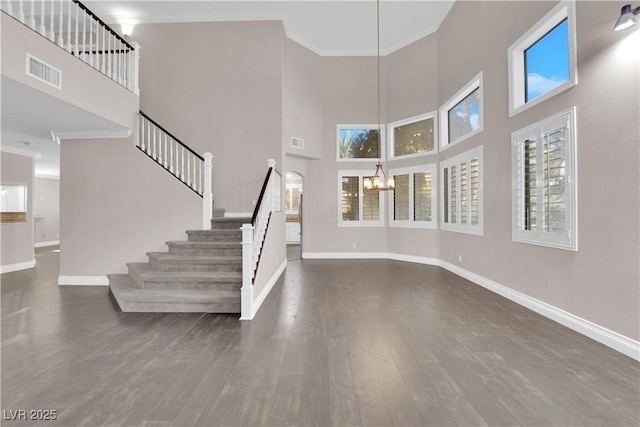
[(93, 134)]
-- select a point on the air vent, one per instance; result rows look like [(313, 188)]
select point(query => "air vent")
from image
[(44, 72), (297, 142)]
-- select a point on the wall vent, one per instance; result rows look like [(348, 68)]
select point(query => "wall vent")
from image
[(44, 72), (297, 142)]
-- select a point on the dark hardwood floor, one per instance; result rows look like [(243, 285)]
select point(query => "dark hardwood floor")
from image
[(336, 343)]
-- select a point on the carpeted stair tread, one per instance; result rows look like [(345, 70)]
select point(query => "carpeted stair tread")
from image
[(132, 298), (166, 257), (204, 245), (147, 272)]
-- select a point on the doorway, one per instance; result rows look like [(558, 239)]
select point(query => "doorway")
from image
[(293, 211)]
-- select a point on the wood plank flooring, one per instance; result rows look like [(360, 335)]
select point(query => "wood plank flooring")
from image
[(375, 343)]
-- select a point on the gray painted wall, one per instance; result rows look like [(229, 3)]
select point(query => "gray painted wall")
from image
[(46, 208), (17, 238), (600, 282)]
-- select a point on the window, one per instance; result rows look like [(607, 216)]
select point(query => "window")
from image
[(542, 63), (412, 137), (544, 183), (461, 116), (13, 202), (461, 193), (359, 142), (358, 208), (413, 198)]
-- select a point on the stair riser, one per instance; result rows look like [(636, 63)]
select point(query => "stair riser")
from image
[(216, 237), (186, 266), (217, 225), (178, 307), (176, 250), (184, 284)]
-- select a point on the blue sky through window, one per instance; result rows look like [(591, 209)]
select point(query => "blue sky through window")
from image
[(547, 62)]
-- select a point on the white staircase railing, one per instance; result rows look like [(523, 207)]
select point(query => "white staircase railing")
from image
[(73, 27), (253, 236), (192, 169)]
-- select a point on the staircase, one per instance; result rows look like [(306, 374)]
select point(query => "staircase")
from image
[(202, 274)]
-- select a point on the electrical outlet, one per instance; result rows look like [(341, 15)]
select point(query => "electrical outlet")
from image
[(459, 258), (354, 245)]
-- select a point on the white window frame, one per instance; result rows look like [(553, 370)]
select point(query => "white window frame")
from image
[(381, 142), (390, 131), (563, 10), (443, 112), (361, 174), (412, 223), (467, 228), (569, 239)]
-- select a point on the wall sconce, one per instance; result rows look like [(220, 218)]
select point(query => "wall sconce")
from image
[(127, 28), (627, 18)]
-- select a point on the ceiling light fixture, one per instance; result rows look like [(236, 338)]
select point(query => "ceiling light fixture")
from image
[(127, 28), (379, 182), (627, 18)]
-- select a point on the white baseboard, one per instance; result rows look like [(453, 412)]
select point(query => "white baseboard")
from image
[(83, 280), (596, 332), (257, 303), (345, 255), (45, 244), (414, 259), (18, 266)]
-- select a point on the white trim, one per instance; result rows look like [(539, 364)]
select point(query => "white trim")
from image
[(381, 142), (515, 55), (20, 152), (391, 140), (612, 339), (596, 332), (92, 134), (18, 266), (45, 244), (83, 280), (257, 303), (47, 176), (443, 112), (238, 214)]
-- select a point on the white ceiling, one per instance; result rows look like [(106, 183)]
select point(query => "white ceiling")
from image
[(28, 118), (325, 26)]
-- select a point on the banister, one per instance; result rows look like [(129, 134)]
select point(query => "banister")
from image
[(86, 9), (259, 203), (171, 135)]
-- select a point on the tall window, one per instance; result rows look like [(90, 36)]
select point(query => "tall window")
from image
[(461, 116), (412, 137), (359, 142), (544, 183), (461, 193), (413, 199), (542, 63), (358, 207)]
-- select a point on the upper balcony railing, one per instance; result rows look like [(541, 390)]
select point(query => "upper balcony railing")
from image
[(73, 27)]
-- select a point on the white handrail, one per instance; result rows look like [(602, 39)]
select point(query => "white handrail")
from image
[(81, 34)]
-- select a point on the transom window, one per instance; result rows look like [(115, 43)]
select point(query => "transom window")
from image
[(412, 137), (359, 142), (544, 183), (542, 63), (461, 116), (412, 201), (358, 207), (461, 193)]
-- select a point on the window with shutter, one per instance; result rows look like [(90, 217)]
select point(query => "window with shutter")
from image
[(358, 207), (412, 200), (544, 183), (461, 198)]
